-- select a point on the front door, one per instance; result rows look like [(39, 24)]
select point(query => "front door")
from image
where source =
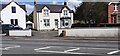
[(56, 23)]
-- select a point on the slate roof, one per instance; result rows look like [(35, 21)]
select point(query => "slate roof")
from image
[(4, 5), (54, 8)]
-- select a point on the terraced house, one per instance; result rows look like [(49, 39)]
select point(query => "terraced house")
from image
[(114, 13), (53, 16), (13, 13)]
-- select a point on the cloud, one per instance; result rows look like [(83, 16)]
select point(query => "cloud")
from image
[(74, 3), (17, 0), (29, 8), (54, 2), (6, 0)]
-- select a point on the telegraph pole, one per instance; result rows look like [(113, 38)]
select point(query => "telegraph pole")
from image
[(35, 16)]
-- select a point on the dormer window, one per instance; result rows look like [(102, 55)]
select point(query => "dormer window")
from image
[(13, 9), (65, 12), (115, 7), (46, 13)]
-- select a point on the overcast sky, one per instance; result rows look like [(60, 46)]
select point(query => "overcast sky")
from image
[(29, 3)]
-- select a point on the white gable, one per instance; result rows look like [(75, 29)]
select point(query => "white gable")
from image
[(45, 8), (20, 15), (13, 4)]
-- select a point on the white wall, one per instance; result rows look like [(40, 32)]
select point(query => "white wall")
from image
[(52, 17), (20, 33), (7, 15), (91, 32)]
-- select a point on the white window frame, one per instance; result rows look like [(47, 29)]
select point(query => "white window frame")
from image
[(46, 12), (115, 7), (65, 12), (46, 22)]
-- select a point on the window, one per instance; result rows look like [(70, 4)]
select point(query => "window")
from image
[(13, 9), (46, 13), (14, 21), (65, 22), (114, 19), (65, 12), (116, 7), (46, 22)]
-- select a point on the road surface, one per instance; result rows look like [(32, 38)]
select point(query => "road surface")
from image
[(78, 47)]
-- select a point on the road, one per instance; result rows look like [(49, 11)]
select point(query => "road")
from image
[(78, 47)]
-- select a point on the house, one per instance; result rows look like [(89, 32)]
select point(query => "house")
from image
[(13, 13), (114, 13), (52, 16)]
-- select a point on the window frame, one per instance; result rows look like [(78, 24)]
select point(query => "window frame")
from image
[(65, 12), (116, 7), (13, 9), (14, 21), (46, 12), (46, 22)]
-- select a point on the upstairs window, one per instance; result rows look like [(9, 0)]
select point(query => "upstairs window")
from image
[(13, 9), (65, 12), (115, 7), (46, 13)]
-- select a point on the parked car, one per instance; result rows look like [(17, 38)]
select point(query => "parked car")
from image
[(7, 27), (17, 27)]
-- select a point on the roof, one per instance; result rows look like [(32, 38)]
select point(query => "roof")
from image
[(54, 8), (4, 5)]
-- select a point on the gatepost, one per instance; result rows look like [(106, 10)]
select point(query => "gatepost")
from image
[(64, 33)]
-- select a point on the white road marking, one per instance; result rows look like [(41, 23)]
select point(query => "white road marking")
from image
[(3, 49), (87, 48), (62, 52), (72, 50), (69, 51), (12, 47), (98, 48), (113, 52), (43, 48), (2, 34)]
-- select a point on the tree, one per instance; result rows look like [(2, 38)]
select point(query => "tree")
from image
[(92, 12), (30, 17)]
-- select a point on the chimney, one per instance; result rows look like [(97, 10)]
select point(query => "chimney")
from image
[(65, 3)]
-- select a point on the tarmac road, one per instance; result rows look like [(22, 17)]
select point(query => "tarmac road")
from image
[(77, 47)]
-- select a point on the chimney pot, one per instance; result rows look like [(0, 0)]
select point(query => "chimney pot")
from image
[(65, 3)]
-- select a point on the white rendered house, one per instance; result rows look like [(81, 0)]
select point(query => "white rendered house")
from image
[(13, 13), (53, 16)]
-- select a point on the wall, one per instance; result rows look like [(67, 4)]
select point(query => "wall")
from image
[(20, 33), (91, 32), (7, 15)]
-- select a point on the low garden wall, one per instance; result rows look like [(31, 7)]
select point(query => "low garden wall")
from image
[(20, 32), (90, 32)]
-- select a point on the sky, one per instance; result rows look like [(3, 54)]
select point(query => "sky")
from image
[(29, 3)]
